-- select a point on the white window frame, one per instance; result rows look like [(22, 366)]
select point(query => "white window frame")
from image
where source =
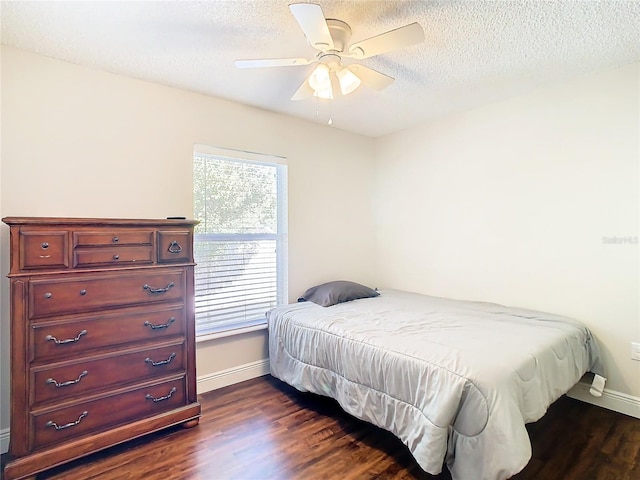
[(281, 236)]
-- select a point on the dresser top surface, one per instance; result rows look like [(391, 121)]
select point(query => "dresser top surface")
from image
[(120, 222)]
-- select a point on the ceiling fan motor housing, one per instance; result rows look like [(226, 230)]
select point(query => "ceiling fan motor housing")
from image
[(340, 33)]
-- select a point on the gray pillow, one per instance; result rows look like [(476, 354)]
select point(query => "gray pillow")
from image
[(340, 291)]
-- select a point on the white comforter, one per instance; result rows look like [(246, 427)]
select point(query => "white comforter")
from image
[(455, 381)]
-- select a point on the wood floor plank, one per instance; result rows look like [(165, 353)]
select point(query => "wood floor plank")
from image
[(263, 429)]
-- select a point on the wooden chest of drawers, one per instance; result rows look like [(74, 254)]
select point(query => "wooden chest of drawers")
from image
[(102, 335)]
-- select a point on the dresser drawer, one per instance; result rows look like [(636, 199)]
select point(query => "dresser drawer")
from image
[(82, 293), (71, 337), (114, 237), (43, 250), (110, 370), (112, 256), (174, 246), (55, 425)]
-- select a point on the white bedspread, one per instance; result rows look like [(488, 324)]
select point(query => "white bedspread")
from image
[(455, 381)]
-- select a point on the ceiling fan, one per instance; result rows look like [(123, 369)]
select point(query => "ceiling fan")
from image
[(331, 37)]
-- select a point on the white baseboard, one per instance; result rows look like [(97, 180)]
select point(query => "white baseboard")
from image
[(4, 440), (610, 399), (230, 376)]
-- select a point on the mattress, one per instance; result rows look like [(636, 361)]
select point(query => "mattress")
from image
[(456, 381)]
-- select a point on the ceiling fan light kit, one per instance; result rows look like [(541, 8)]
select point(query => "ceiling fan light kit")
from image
[(320, 82), (320, 79), (349, 81), (331, 37)]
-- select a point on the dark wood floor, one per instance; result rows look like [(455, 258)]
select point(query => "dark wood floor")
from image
[(264, 429)]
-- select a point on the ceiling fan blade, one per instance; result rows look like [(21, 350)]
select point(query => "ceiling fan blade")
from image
[(371, 78), (272, 62), (313, 24), (305, 91), (385, 42)]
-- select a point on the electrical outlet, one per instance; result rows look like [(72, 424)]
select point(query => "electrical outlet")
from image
[(635, 351)]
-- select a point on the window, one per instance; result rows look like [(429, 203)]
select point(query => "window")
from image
[(240, 199)]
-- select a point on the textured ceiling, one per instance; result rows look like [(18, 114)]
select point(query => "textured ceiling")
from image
[(475, 52)]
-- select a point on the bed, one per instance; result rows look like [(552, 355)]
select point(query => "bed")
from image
[(456, 381)]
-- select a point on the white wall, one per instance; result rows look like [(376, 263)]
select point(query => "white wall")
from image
[(510, 203), (78, 142)]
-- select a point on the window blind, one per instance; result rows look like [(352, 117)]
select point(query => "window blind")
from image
[(240, 243)]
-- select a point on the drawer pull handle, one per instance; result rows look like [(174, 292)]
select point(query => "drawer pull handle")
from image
[(158, 290), (48, 295), (83, 292), (68, 340), (159, 399), (115, 239), (161, 362), (70, 382), (175, 247), (116, 257), (45, 256), (53, 424), (164, 325), (44, 245)]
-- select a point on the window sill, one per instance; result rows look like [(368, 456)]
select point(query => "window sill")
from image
[(230, 333)]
